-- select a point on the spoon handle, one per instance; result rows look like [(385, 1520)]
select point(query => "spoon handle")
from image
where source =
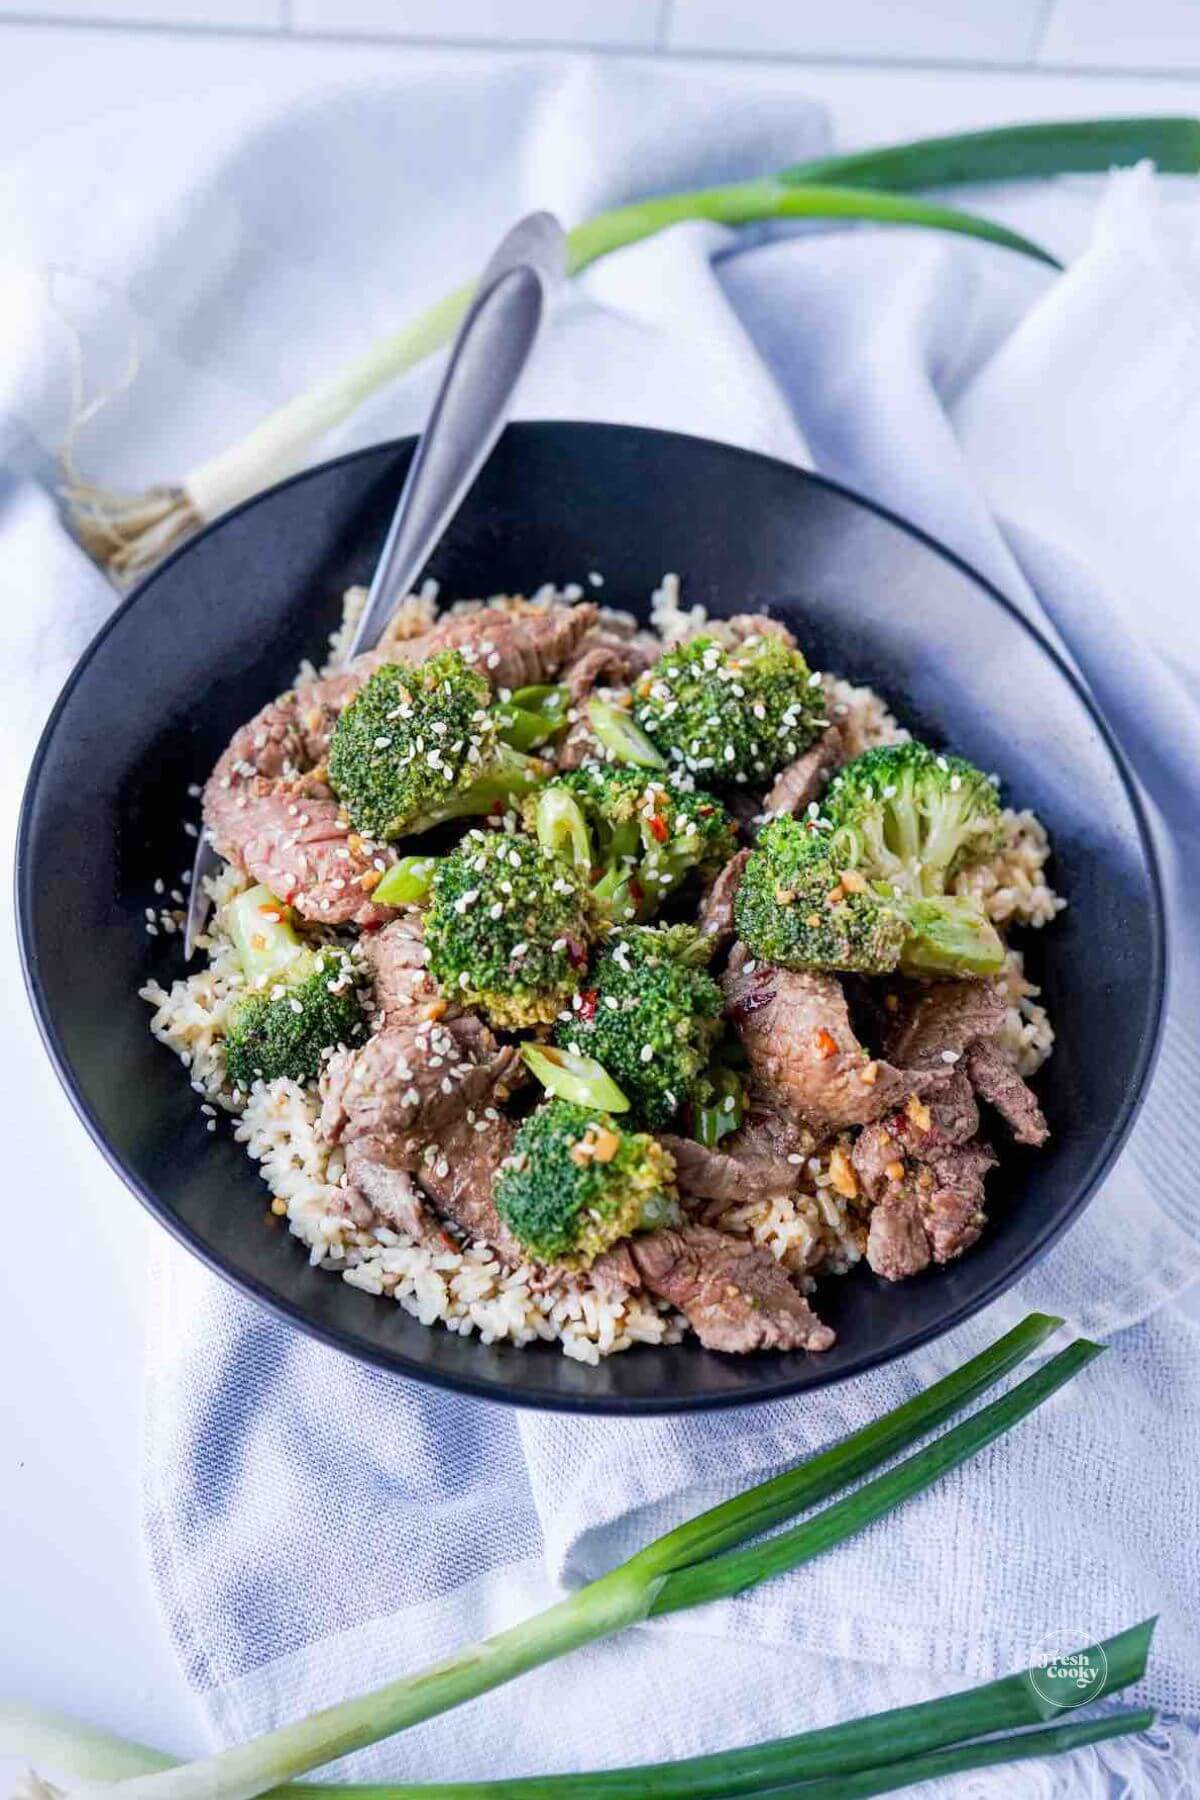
[(487, 360), (486, 363)]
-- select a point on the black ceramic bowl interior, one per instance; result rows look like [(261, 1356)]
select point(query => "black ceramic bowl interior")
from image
[(221, 627)]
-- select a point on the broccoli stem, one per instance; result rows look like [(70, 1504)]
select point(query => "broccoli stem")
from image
[(508, 776), (947, 936), (260, 925)]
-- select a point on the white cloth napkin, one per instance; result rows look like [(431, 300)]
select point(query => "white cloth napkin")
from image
[(316, 1526)]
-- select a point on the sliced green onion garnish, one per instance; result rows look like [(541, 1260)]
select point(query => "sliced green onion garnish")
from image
[(571, 1077), (408, 880), (550, 701), (723, 1113), (621, 737), (532, 716), (562, 829)]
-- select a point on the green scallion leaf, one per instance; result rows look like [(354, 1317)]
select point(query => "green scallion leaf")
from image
[(662, 1578), (1014, 153), (621, 737), (408, 880), (571, 1077)]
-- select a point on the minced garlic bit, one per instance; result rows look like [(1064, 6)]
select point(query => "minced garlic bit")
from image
[(919, 1113), (841, 1174)]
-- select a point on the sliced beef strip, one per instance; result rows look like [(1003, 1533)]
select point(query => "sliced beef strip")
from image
[(301, 848), (804, 1057), (408, 1083), (952, 1202), (724, 1180), (897, 1242), (996, 1080), (735, 1296), (932, 1213), (942, 1018), (424, 1100), (716, 911), (803, 781), (389, 1194), (514, 646), (458, 1172), (291, 734), (878, 1158), (767, 1133), (953, 1021), (604, 661), (405, 991)]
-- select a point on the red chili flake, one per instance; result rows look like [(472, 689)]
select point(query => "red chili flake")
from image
[(825, 1042), (636, 892), (589, 1000), (658, 829)]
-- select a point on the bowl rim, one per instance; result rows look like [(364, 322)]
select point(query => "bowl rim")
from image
[(395, 1362)]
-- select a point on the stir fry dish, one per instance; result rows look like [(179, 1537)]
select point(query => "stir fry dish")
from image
[(575, 980)]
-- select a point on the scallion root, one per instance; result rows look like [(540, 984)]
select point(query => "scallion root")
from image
[(127, 534)]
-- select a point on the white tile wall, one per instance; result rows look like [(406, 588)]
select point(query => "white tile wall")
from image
[(252, 15), (630, 24), (1114, 34), (1159, 36), (916, 30)]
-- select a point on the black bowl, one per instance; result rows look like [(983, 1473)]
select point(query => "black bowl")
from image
[(220, 628)]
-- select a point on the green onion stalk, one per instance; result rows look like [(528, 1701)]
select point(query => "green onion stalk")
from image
[(893, 1748), (708, 1558), (129, 533)]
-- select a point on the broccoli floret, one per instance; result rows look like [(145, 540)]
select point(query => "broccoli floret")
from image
[(731, 715), (417, 746), (797, 908), (907, 815), (289, 1026), (508, 927), (575, 1183), (650, 1013), (635, 837)]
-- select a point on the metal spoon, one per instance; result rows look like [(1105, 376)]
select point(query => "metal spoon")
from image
[(487, 360)]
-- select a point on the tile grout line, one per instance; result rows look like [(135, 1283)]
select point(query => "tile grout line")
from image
[(1041, 29), (575, 46)]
